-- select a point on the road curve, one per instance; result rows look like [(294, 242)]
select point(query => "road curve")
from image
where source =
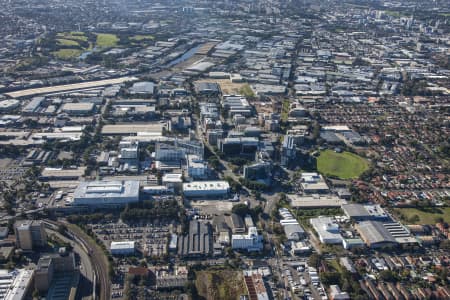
[(97, 257)]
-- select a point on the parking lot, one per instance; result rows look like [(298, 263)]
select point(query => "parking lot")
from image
[(10, 170), (212, 207), (151, 238), (303, 281)]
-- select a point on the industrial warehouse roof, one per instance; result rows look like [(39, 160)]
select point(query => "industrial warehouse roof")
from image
[(353, 210), (107, 189), (78, 106), (126, 129), (69, 87), (122, 245), (312, 201), (52, 173), (374, 232), (206, 185), (293, 231)]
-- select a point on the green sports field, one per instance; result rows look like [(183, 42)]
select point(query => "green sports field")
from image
[(106, 40), (67, 53), (344, 165), (424, 217)]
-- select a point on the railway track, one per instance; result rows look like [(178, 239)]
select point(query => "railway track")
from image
[(102, 286)]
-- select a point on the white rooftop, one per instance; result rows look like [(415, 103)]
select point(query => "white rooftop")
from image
[(122, 245), (206, 185)]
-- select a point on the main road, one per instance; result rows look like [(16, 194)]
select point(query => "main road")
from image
[(86, 269), (98, 260)]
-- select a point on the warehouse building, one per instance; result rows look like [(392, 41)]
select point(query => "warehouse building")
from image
[(375, 235), (62, 174), (9, 104), (33, 106), (315, 201), (291, 227), (255, 287), (294, 232), (360, 212), (207, 88), (198, 242), (78, 109), (200, 189), (237, 224), (106, 193), (123, 248), (327, 229), (143, 88), (16, 285), (313, 183)]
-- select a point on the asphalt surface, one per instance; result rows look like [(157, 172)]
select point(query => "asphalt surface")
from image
[(99, 263), (86, 269)]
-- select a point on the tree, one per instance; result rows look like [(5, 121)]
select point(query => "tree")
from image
[(439, 220), (389, 276), (314, 260), (330, 278), (414, 219), (214, 162), (241, 210)]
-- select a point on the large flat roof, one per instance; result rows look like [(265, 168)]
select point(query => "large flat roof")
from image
[(325, 227), (374, 232), (312, 201), (124, 129), (16, 286), (69, 87), (206, 185), (106, 189), (354, 210), (59, 172), (122, 245)]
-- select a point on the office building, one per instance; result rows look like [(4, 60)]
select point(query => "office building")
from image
[(123, 248), (236, 105), (43, 275), (54, 273), (196, 167), (167, 152), (288, 151), (239, 145), (129, 150), (251, 241), (259, 171), (30, 234)]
